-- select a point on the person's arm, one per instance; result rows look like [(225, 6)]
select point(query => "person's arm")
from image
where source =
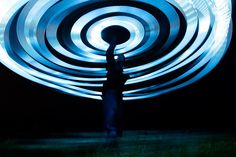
[(110, 55)]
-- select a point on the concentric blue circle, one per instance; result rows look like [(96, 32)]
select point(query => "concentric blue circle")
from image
[(58, 43)]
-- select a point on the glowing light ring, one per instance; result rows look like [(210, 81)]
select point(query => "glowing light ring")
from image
[(173, 43), (133, 26), (137, 34)]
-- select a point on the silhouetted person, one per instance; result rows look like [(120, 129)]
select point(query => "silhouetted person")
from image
[(112, 92)]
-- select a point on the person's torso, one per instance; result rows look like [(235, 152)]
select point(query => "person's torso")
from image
[(115, 79)]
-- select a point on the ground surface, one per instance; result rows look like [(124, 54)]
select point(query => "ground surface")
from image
[(132, 144)]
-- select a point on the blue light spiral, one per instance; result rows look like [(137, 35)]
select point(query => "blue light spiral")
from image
[(57, 43)]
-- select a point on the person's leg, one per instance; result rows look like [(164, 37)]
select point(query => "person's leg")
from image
[(119, 117), (110, 112)]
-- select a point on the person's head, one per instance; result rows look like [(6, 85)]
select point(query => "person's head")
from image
[(120, 59)]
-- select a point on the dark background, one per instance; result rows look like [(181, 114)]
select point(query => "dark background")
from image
[(209, 104)]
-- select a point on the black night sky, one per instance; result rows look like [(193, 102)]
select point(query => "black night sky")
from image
[(209, 104)]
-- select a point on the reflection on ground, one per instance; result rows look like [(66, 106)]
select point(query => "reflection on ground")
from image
[(132, 144)]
